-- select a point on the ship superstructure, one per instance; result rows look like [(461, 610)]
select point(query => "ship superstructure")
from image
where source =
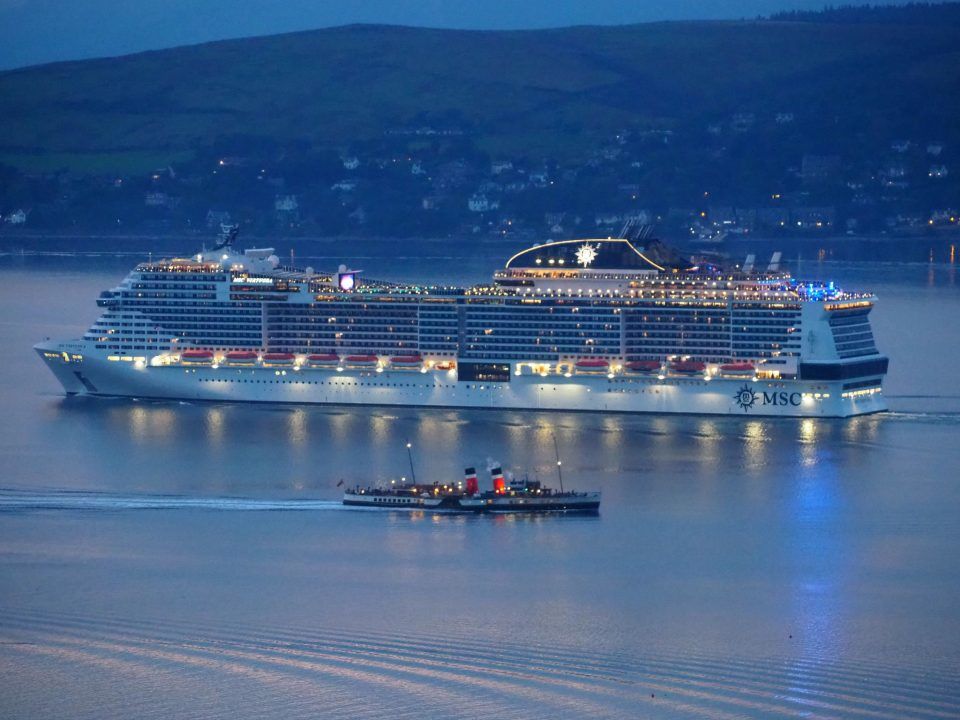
[(605, 325)]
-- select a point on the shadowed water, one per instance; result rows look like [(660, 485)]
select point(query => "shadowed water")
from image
[(192, 560)]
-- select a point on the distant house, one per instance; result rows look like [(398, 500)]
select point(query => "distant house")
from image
[(900, 220), (286, 203), (895, 184), (819, 167), (417, 169), (351, 163), (722, 215), (815, 218), (784, 118), (156, 199), (287, 209), (741, 122), (900, 146), (344, 185), (540, 178), (938, 171), (553, 218), (500, 166), (482, 203), (216, 218), (606, 219), (934, 148), (944, 216), (715, 129), (359, 215), (772, 217), (430, 202), (517, 186), (17, 217)]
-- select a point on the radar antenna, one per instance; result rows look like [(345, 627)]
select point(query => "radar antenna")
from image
[(228, 233)]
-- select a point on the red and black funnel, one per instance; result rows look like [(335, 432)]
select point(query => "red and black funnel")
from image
[(470, 476), (498, 484)]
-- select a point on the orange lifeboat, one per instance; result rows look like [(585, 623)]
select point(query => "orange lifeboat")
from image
[(643, 367), (737, 370), (323, 360), (279, 358), (592, 365), (240, 357), (362, 360), (688, 367), (406, 362), (196, 357)]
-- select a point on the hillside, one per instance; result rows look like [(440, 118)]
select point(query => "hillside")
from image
[(551, 98)]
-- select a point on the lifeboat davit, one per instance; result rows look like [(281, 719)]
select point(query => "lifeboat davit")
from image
[(643, 367), (197, 357), (688, 367), (362, 360), (323, 360), (240, 357), (592, 365), (408, 362), (277, 358), (737, 370)]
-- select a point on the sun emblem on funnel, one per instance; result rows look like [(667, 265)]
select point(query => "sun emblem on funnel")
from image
[(586, 254), (745, 397)]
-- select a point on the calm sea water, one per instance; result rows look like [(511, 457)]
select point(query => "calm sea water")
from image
[(179, 560)]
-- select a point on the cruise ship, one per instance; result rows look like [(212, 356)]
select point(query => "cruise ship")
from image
[(604, 325)]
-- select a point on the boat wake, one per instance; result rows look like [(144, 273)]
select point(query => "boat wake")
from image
[(919, 416), (13, 500)]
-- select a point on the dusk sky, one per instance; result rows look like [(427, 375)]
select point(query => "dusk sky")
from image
[(37, 31)]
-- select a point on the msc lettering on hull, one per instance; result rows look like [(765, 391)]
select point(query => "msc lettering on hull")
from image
[(782, 398), (747, 399)]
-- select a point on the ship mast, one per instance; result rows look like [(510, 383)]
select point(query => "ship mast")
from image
[(556, 450), (413, 474)]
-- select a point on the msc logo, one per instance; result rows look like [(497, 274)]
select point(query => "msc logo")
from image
[(746, 398)]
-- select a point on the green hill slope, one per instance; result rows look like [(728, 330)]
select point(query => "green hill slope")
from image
[(551, 93)]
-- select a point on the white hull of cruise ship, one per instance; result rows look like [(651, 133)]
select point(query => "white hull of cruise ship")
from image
[(83, 370), (591, 325)]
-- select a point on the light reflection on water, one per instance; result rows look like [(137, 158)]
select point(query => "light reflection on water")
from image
[(150, 550)]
